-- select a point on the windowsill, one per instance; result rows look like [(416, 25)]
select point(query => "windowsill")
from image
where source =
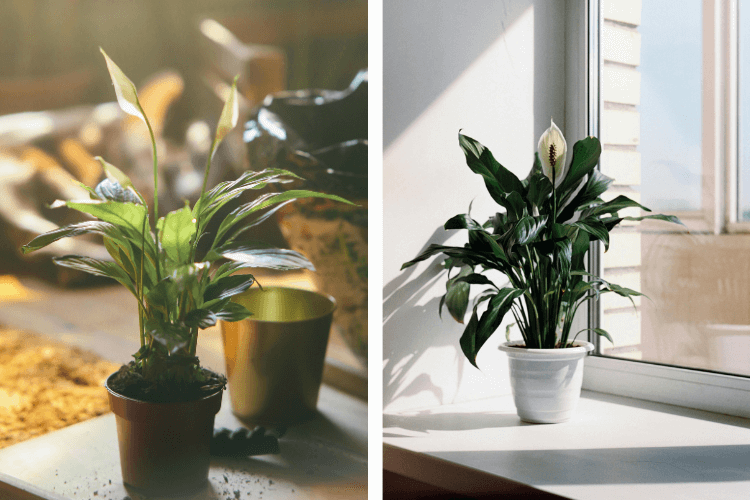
[(614, 447)]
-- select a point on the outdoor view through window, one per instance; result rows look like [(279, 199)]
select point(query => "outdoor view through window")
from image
[(656, 131)]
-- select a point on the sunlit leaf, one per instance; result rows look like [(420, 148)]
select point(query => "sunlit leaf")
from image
[(88, 227), (176, 234), (127, 96), (229, 116)]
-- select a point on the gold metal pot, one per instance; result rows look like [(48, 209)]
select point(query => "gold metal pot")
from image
[(275, 358)]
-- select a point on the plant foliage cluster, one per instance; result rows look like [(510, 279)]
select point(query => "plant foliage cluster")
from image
[(538, 242), (178, 291)]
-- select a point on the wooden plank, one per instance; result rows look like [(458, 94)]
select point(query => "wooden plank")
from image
[(623, 166), (621, 127), (621, 45), (622, 11), (621, 84), (455, 478)]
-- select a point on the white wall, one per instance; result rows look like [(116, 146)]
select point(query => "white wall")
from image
[(496, 70)]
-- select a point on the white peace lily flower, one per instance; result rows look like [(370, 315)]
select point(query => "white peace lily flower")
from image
[(127, 97), (552, 149)]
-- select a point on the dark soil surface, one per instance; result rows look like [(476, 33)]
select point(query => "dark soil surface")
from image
[(129, 383)]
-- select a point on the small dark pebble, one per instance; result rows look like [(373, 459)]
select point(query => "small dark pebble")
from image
[(96, 493), (236, 493), (270, 482), (110, 481), (226, 479)]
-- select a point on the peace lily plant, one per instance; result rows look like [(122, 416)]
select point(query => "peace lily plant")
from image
[(538, 242), (179, 290)]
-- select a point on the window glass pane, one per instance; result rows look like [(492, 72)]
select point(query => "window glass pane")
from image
[(670, 108), (744, 113), (698, 314)]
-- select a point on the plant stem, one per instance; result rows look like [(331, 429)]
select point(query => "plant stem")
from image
[(141, 309), (193, 340), (199, 203)]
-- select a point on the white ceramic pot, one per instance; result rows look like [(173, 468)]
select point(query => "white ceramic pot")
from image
[(546, 383)]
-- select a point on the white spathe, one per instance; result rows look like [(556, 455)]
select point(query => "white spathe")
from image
[(552, 150), (546, 383)]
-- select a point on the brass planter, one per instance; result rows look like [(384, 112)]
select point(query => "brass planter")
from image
[(275, 358)]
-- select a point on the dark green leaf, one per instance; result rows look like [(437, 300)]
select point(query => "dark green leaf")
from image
[(202, 318), (597, 184), (498, 179), (595, 228), (462, 221), (233, 311), (613, 206), (540, 189), (585, 157), (527, 230), (228, 287), (457, 299), (477, 333)]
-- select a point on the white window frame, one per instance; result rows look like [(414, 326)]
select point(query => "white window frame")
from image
[(692, 388)]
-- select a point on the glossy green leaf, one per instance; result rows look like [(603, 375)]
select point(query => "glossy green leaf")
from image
[(233, 312), (475, 337), (515, 206), (269, 258), (462, 221), (88, 227), (457, 299), (586, 154), (527, 230), (127, 96), (266, 201), (127, 215), (595, 228), (498, 179), (176, 234), (228, 287), (201, 318), (596, 184), (96, 267), (613, 206), (540, 189), (497, 250)]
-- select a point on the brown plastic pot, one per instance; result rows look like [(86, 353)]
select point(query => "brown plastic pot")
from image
[(165, 448)]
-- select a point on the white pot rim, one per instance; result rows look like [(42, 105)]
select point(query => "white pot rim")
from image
[(514, 350)]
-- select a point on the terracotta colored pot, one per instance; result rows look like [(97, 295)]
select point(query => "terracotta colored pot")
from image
[(165, 448)]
